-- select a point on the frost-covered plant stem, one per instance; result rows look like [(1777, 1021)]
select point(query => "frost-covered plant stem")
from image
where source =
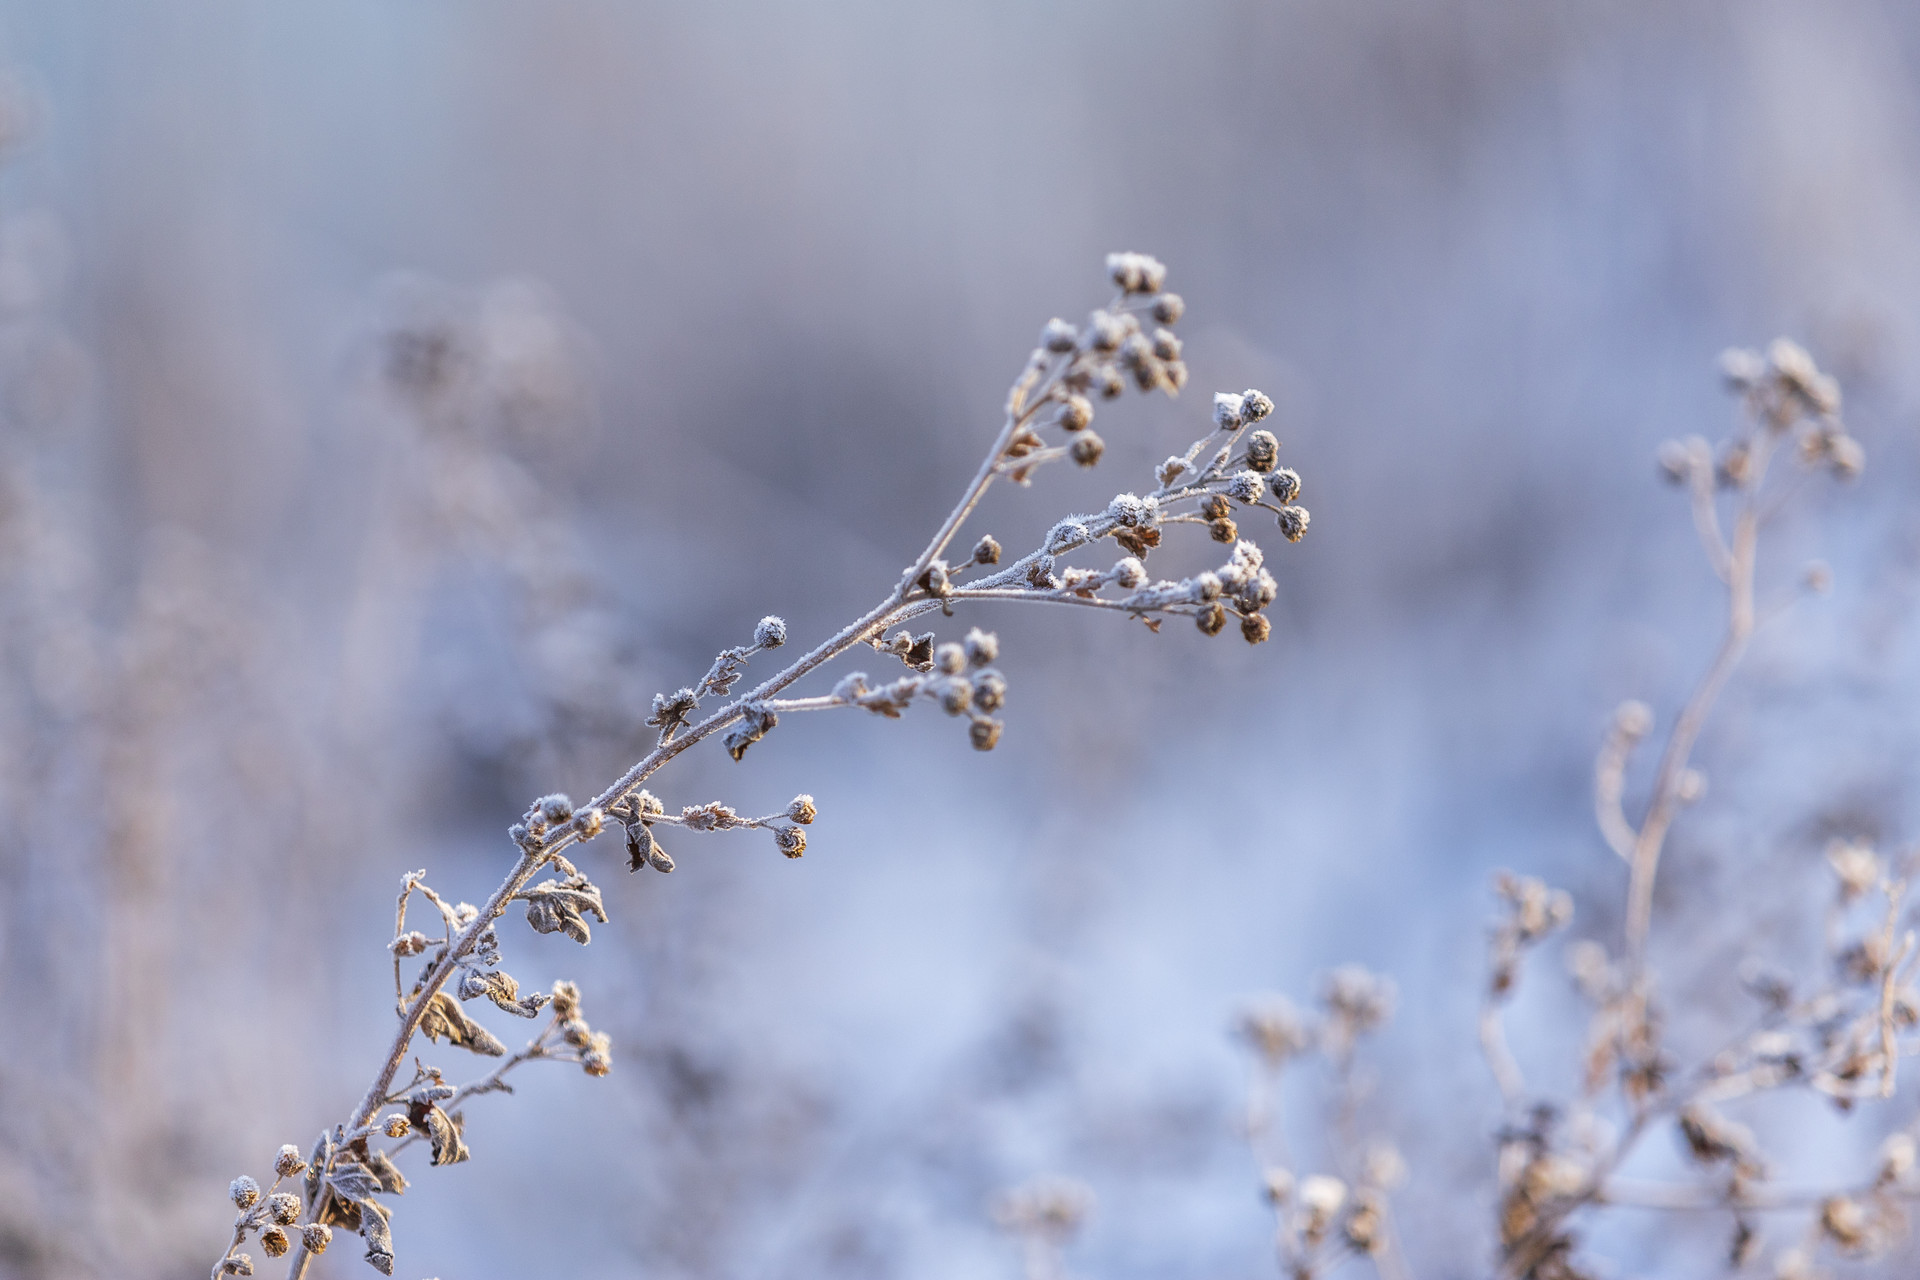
[(1051, 393)]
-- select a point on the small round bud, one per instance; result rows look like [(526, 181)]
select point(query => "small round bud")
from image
[(1058, 336), (566, 1000), (1112, 385), (1293, 523), (1211, 619), (1136, 272), (989, 691), (408, 944), (287, 1162), (275, 1242), (983, 647), (986, 551), (1246, 486), (1128, 572), (1263, 451), (1076, 413), (1166, 346), (956, 695), (1172, 469), (1215, 507), (1087, 448), (1104, 333), (576, 1032), (397, 1126), (244, 1192), (791, 841), (802, 810), (237, 1264), (588, 823), (1229, 411), (316, 1236), (1223, 529), (598, 1058), (984, 733), (1255, 405), (283, 1208), (950, 659), (648, 804), (771, 633), (1285, 484), (1176, 375), (519, 833), (555, 808), (1256, 628), (1169, 307), (1207, 586)]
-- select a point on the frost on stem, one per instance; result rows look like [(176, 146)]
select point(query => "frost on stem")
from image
[(455, 953)]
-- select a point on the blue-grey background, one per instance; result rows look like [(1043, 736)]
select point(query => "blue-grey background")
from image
[(749, 279)]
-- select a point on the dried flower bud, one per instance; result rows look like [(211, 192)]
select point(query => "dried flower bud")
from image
[(576, 1032), (1211, 620), (1075, 413), (244, 1192), (397, 1126), (1166, 346), (1215, 507), (984, 733), (791, 841), (771, 633), (1256, 628), (1741, 368), (1176, 375), (1633, 719), (647, 804), (1087, 448), (408, 944), (566, 1000), (986, 551), (1285, 484), (956, 695), (236, 1264), (1856, 866), (1172, 469), (1058, 336), (1169, 307), (520, 834), (555, 808), (1246, 486), (1223, 529), (1207, 586), (588, 823), (989, 690), (1103, 333), (1293, 523), (1112, 385), (1844, 1221), (316, 1236), (1323, 1195), (1676, 461), (1129, 573), (1277, 1184), (283, 1208), (598, 1058), (1263, 451), (1897, 1156), (287, 1162), (1847, 456), (982, 647), (1136, 272), (950, 658), (801, 810), (275, 1242), (1255, 405), (1229, 411)]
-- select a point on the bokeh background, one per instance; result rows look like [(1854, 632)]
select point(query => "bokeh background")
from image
[(720, 303)]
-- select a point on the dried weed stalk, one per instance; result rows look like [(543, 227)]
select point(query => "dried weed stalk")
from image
[(348, 1176)]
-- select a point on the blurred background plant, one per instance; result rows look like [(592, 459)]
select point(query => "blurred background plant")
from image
[(729, 290)]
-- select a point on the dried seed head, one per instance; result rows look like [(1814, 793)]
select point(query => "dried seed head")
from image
[(647, 804), (1856, 865), (598, 1058), (316, 1236), (1255, 405), (1136, 272), (1087, 448), (982, 647), (283, 1208), (1263, 451), (1129, 573), (588, 823), (1229, 411), (956, 695), (1897, 1155), (801, 810), (791, 841), (1847, 457), (950, 658), (984, 733), (1247, 486), (1103, 333), (989, 690), (1169, 307), (986, 551), (1277, 1185), (1166, 346), (566, 1000), (1211, 619), (1741, 368), (1207, 586), (1215, 507), (1112, 385), (1285, 484), (1676, 461), (771, 633), (275, 1242), (236, 1264), (1844, 1221), (1293, 523), (1176, 375), (397, 1126), (1075, 413), (1323, 1195), (408, 944), (1223, 529), (555, 808), (576, 1032), (244, 1192), (287, 1162), (1256, 628), (1058, 336)]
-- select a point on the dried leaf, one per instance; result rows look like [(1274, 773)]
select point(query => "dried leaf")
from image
[(392, 1181), (444, 1133), (351, 1180), (503, 990), (445, 1019), (377, 1231), (561, 906)]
